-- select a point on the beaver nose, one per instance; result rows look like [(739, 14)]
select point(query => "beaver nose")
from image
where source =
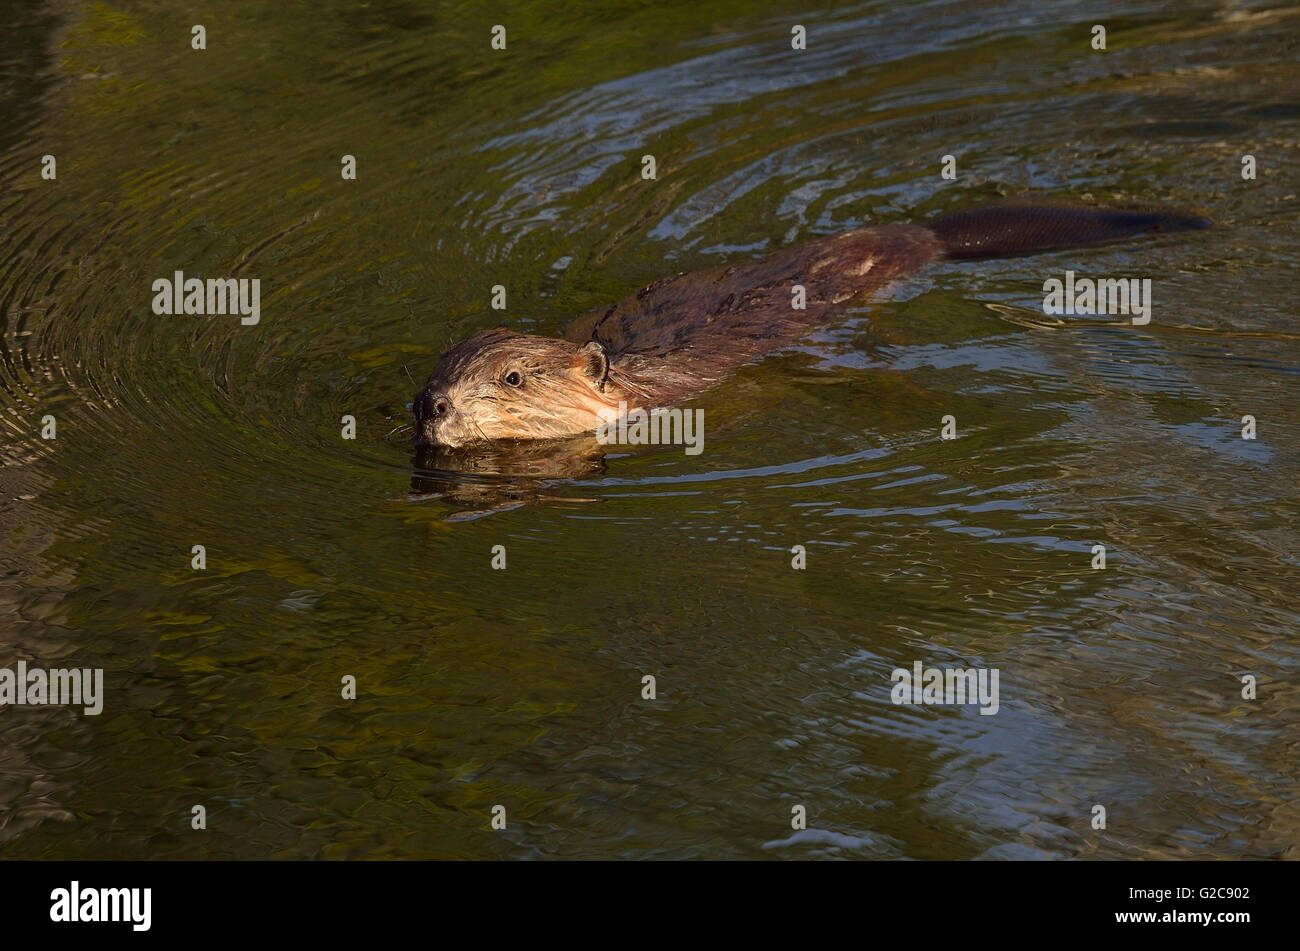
[(432, 405)]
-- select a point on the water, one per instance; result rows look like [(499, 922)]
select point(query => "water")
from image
[(329, 558)]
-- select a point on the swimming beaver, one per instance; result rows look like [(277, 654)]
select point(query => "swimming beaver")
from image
[(683, 334)]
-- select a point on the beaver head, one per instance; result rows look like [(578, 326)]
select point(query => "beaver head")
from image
[(504, 385)]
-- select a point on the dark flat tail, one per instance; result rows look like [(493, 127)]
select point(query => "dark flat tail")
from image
[(999, 231)]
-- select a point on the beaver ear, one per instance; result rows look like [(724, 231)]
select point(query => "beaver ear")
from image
[(595, 362)]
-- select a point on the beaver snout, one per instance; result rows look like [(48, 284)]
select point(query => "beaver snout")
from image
[(437, 405), (429, 407)]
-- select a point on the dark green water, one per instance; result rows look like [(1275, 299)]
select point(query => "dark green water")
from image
[(522, 687)]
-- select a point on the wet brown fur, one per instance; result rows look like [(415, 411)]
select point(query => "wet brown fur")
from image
[(667, 342)]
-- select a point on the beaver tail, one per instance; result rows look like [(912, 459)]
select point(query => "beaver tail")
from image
[(998, 231)]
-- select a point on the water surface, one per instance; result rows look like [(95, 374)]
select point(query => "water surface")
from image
[(328, 557)]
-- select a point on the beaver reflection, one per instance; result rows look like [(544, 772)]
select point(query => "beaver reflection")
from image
[(489, 477)]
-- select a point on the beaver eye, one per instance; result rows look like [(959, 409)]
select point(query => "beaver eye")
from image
[(513, 378)]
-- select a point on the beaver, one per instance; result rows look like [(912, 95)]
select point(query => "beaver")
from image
[(681, 335)]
